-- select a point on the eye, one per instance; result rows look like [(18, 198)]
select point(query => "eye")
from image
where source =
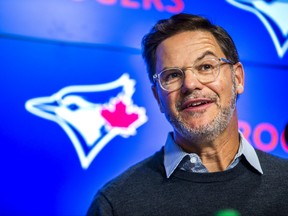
[(171, 75), (73, 107), (206, 66)]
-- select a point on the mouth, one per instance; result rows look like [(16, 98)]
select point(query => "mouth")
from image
[(196, 104)]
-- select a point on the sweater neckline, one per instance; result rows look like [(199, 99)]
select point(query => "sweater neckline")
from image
[(240, 169)]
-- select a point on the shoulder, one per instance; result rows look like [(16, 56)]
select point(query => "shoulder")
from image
[(271, 162), (136, 175), (128, 185)]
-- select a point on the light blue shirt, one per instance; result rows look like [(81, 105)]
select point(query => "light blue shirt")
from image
[(173, 155)]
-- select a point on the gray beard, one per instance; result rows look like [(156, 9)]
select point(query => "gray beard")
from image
[(208, 132)]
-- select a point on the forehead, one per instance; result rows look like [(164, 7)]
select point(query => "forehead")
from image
[(184, 48)]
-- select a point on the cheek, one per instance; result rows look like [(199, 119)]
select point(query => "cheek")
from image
[(223, 90), (217, 88), (168, 102)]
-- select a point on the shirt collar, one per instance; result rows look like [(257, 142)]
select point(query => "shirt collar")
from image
[(250, 153), (173, 154)]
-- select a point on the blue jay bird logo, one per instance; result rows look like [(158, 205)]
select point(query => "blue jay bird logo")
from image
[(274, 15), (92, 115)]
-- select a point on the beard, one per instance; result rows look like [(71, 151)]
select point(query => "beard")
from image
[(211, 130)]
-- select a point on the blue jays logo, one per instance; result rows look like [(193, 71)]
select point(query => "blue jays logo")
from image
[(274, 15), (91, 124)]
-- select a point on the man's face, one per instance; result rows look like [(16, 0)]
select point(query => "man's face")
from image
[(197, 111)]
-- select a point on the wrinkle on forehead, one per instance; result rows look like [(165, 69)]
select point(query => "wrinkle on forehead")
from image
[(184, 48)]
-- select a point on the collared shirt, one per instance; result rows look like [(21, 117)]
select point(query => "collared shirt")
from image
[(173, 155)]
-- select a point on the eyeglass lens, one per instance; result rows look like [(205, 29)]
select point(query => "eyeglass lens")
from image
[(205, 70)]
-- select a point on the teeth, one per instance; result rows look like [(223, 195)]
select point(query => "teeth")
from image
[(196, 104)]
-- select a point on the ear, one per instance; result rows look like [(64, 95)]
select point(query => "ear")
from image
[(239, 76), (156, 96)]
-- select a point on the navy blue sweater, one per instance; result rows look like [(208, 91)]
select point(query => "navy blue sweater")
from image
[(144, 189)]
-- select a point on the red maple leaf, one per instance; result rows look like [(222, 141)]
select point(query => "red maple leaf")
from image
[(119, 117)]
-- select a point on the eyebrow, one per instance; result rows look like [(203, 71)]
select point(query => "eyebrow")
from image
[(205, 54)]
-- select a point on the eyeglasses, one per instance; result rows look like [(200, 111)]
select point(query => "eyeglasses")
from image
[(205, 70)]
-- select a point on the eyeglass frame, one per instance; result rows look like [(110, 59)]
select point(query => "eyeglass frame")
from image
[(156, 77)]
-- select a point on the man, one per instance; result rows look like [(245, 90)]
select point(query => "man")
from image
[(206, 165)]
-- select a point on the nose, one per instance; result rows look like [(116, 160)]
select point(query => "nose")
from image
[(190, 82)]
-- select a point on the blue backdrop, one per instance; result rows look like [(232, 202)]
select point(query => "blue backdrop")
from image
[(76, 103)]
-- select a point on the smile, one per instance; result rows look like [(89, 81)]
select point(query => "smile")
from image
[(196, 103)]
